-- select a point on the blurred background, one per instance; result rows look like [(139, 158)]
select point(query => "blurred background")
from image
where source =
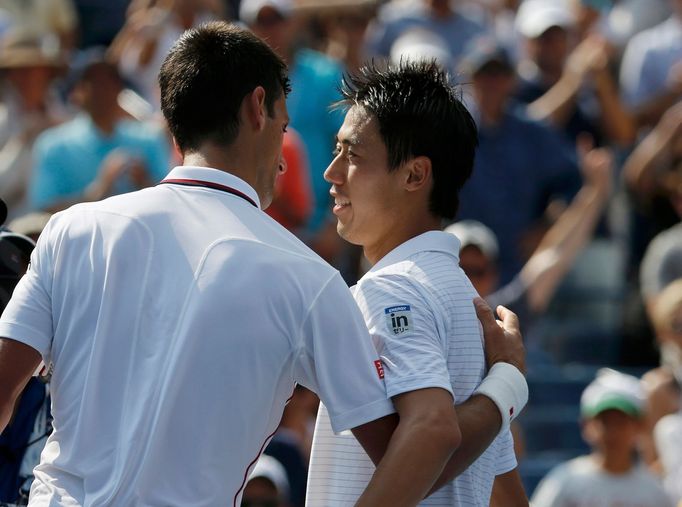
[(572, 216)]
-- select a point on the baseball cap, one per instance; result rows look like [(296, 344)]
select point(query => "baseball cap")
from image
[(269, 468), (612, 390), (483, 51), (662, 262), (419, 44), (535, 17), (249, 9), (473, 233)]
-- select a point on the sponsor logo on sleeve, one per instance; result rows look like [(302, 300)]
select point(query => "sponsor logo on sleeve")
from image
[(398, 318)]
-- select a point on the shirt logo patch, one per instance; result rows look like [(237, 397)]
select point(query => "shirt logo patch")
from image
[(380, 368), (398, 318)]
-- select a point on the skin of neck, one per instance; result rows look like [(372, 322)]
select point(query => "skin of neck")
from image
[(104, 120), (616, 461), (413, 219), (227, 159)]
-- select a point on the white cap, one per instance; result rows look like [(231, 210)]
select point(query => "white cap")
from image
[(535, 17), (419, 44), (249, 9), (272, 470), (612, 390), (473, 233)]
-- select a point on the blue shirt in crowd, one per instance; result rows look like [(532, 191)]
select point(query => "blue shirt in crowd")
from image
[(315, 81), (520, 165), (68, 157)]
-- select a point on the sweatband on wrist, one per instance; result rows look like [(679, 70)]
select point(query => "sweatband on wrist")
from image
[(506, 386)]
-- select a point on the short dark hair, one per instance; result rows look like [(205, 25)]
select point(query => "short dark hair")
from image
[(420, 114), (206, 76)]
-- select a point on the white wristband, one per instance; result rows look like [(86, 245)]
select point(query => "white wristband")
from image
[(506, 386)]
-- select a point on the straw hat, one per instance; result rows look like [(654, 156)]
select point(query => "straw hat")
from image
[(18, 51)]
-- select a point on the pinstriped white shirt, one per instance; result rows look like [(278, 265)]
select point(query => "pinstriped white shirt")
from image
[(417, 304)]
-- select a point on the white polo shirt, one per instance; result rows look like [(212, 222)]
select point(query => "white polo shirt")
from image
[(417, 304), (179, 319)]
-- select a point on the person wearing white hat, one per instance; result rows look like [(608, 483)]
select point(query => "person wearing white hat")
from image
[(611, 407), (29, 104), (567, 81)]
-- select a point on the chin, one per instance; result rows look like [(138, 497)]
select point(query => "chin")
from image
[(346, 234)]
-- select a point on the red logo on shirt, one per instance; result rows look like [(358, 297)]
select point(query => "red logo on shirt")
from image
[(379, 367)]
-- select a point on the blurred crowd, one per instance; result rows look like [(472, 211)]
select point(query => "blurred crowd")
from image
[(571, 218)]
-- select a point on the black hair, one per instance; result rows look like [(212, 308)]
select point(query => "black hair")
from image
[(206, 76), (420, 114)]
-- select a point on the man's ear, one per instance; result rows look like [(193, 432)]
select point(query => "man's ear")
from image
[(255, 108), (418, 173)]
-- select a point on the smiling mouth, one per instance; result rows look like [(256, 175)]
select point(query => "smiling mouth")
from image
[(340, 204)]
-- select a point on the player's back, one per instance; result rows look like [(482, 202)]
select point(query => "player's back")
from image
[(177, 322)]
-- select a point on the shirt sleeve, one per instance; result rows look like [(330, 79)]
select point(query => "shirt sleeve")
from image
[(339, 362), (506, 459), (28, 316), (406, 333)]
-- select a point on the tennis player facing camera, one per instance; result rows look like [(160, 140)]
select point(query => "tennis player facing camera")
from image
[(179, 318), (404, 151)]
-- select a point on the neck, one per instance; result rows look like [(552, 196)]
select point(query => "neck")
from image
[(398, 233), (491, 115), (104, 121), (223, 159), (616, 462)]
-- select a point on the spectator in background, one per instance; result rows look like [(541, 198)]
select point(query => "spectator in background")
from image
[(651, 70), (100, 152), (293, 199), (572, 89), (28, 106), (663, 397), (668, 431), (345, 24), (441, 17), (37, 19), (528, 163), (531, 291), (150, 30), (291, 443), (653, 175), (661, 265), (315, 79), (267, 486), (611, 407)]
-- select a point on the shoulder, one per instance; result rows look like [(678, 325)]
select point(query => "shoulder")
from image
[(60, 135), (656, 37)]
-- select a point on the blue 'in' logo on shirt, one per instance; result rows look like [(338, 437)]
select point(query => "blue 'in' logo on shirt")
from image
[(398, 318)]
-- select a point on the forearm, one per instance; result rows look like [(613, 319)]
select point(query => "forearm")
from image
[(640, 167), (416, 455), (561, 245), (557, 104), (651, 111), (508, 491), (617, 122), (479, 422)]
